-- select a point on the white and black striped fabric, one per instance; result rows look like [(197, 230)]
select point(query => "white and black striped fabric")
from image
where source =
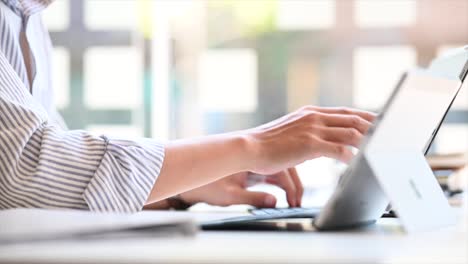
[(44, 166), (9, 44), (26, 8)]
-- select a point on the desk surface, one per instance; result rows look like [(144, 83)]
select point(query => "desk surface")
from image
[(384, 242)]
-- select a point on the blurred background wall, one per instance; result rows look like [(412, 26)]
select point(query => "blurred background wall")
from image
[(173, 69)]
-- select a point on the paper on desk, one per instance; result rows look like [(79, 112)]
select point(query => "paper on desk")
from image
[(18, 225)]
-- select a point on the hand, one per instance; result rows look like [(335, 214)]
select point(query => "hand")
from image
[(233, 190), (308, 133)]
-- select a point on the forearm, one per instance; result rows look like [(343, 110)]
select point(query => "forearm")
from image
[(189, 164)]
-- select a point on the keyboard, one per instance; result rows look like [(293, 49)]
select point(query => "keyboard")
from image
[(278, 213), (257, 215), (265, 214)]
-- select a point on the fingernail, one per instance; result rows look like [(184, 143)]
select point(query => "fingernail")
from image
[(270, 201)]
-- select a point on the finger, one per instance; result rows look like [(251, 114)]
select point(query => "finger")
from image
[(284, 181), (369, 116), (335, 151), (257, 199), (340, 135), (351, 121), (298, 183)]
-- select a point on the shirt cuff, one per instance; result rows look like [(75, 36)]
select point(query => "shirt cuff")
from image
[(125, 176)]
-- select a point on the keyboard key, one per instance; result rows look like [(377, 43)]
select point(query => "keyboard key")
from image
[(258, 212), (271, 211)]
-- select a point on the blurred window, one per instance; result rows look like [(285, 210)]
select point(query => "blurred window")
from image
[(376, 72), (452, 138), (303, 83), (111, 14), (305, 14), (228, 80), (385, 13), (61, 77), (113, 77), (56, 16)]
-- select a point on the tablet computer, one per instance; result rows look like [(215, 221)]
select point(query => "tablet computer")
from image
[(390, 166)]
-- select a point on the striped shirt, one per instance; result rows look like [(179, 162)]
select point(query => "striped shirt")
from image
[(43, 165)]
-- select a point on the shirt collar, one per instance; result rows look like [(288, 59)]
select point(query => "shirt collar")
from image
[(26, 8)]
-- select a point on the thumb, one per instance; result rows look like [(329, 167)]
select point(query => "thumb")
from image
[(257, 199)]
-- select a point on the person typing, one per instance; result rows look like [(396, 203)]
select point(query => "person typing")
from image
[(45, 165)]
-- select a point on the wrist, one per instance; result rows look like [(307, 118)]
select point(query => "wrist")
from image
[(248, 150), (254, 149)]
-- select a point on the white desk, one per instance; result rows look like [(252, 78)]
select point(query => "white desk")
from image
[(381, 243)]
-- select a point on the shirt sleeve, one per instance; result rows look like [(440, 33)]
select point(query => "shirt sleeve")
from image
[(44, 166)]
